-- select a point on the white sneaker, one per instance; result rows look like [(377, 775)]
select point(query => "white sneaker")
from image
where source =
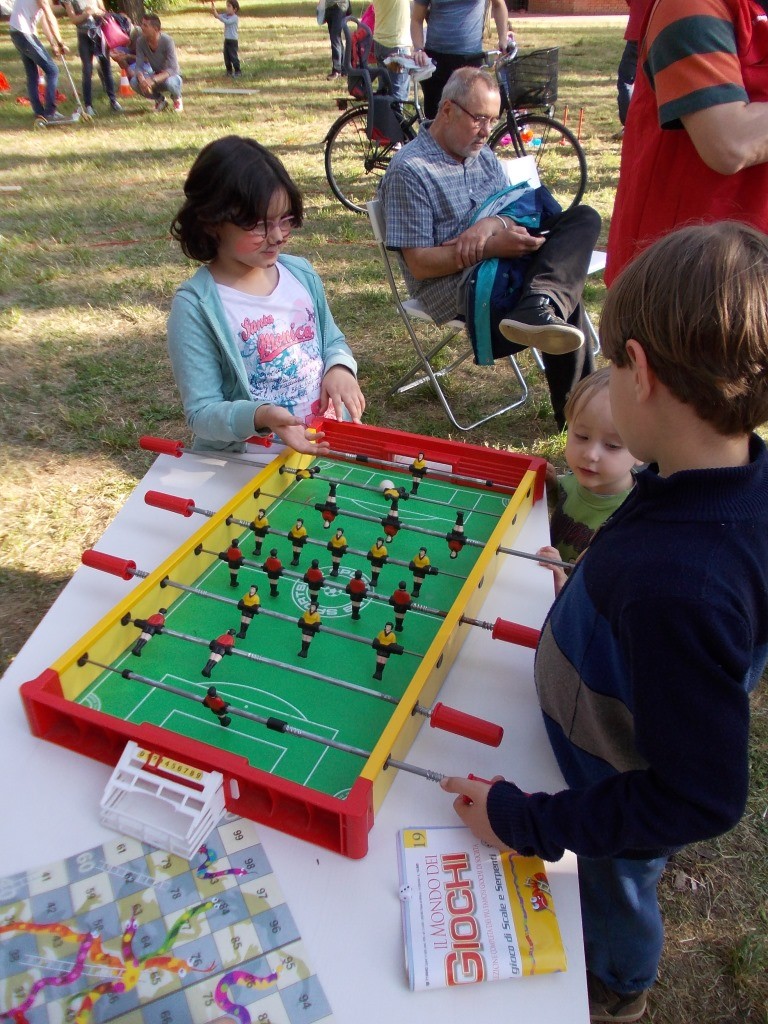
[(55, 116), (160, 105), (117, 107), (178, 105), (90, 112)]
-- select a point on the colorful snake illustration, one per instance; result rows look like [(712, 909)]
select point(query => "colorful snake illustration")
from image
[(18, 1014), (209, 859), (233, 978)]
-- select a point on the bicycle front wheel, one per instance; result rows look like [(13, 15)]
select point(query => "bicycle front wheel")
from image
[(355, 164), (559, 157)]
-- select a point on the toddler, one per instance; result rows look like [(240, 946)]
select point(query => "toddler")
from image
[(231, 22)]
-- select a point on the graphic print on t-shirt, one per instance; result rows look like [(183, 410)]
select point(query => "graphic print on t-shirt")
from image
[(278, 340)]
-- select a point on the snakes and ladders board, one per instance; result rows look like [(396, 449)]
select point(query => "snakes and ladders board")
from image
[(125, 932)]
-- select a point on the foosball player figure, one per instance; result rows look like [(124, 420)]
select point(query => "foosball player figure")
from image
[(384, 642), (260, 527), (308, 623), (219, 707), (273, 567), (421, 567), (329, 508), (357, 591), (298, 538), (304, 474), (377, 556), (149, 627), (222, 645), (314, 579), (418, 469), (391, 521), (401, 602), (249, 606), (337, 545), (456, 538), (393, 493), (233, 556)]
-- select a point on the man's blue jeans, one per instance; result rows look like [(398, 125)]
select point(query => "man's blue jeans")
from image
[(170, 85), (623, 930), (34, 56), (401, 83)]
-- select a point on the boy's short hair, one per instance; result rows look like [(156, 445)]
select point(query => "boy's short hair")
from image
[(152, 19), (696, 300), (585, 390), (232, 181), (234, 5)]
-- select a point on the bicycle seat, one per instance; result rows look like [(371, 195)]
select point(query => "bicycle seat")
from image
[(361, 75)]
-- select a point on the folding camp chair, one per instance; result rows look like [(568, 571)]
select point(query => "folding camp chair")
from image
[(423, 371)]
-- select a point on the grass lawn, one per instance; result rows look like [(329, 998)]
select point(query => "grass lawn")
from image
[(87, 272)]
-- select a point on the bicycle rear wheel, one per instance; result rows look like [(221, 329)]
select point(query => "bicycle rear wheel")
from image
[(559, 157), (355, 164)]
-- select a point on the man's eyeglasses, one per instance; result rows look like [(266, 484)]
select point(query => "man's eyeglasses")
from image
[(478, 120), (264, 227)]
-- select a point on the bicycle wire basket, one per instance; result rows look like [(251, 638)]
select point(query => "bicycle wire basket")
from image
[(530, 79)]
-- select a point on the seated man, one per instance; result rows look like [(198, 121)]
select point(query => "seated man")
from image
[(433, 188), (157, 69)]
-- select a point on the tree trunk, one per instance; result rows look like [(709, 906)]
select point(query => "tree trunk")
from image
[(134, 9)]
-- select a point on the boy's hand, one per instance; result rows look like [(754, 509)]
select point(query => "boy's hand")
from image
[(559, 574), (341, 390), (472, 810), (290, 429)]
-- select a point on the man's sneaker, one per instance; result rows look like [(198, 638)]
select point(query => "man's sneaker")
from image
[(332, 76), (160, 105), (605, 1005), (117, 107), (237, 74), (90, 111), (55, 116), (178, 105), (535, 324)]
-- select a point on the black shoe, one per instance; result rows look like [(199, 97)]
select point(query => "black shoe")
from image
[(534, 324), (606, 1005)]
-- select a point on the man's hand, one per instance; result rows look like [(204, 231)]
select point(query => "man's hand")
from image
[(470, 805), (290, 429), (487, 239), (145, 84), (341, 390), (470, 244)]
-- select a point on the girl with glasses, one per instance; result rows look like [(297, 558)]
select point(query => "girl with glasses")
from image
[(253, 344)]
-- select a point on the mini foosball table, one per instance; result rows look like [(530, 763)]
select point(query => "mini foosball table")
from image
[(297, 641)]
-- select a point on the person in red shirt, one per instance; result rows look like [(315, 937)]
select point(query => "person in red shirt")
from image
[(357, 591), (273, 567), (314, 578), (401, 602), (233, 556), (222, 645), (149, 628), (219, 707)]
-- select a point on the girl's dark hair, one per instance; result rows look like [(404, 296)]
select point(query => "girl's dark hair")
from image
[(232, 181)]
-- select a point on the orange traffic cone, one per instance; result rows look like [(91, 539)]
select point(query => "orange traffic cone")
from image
[(125, 86), (60, 96), (4, 83)]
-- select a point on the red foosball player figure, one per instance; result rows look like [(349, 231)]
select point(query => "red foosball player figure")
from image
[(418, 470), (308, 623), (219, 707), (260, 527), (384, 642), (249, 606), (455, 538), (273, 567), (421, 567), (222, 645), (314, 578), (401, 602), (149, 627), (329, 508), (337, 545), (357, 591), (391, 521), (233, 556), (298, 538), (377, 556)]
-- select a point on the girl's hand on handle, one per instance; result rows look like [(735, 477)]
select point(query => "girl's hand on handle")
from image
[(341, 390), (290, 429)]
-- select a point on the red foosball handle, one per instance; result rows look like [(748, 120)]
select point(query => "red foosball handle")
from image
[(170, 502), (123, 567), (514, 633), (264, 442), (161, 445), (462, 724)]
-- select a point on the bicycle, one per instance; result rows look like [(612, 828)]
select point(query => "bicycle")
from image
[(358, 150)]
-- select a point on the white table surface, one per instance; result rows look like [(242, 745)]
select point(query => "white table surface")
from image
[(347, 911)]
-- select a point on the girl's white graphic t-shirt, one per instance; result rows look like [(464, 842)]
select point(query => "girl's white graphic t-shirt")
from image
[(278, 340)]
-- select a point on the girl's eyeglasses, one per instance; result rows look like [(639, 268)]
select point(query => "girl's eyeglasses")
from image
[(264, 227)]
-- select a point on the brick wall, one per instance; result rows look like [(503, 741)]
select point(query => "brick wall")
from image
[(577, 7)]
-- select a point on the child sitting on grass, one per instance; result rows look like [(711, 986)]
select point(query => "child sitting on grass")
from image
[(231, 23), (600, 476), (648, 656), (253, 345)]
